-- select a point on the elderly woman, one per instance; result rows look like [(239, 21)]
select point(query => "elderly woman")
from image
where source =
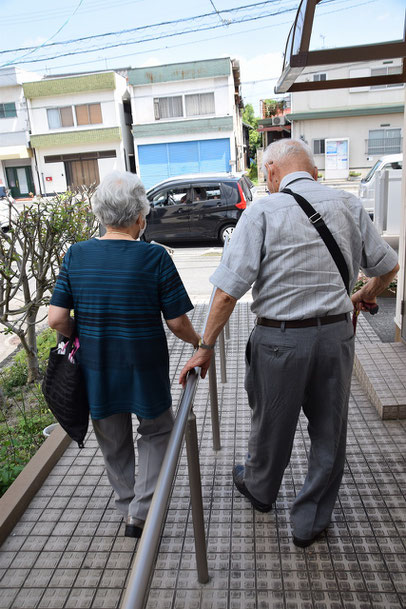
[(118, 287)]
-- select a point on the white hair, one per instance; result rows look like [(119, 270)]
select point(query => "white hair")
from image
[(287, 150), (119, 199)]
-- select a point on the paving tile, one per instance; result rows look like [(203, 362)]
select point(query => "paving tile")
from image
[(68, 550)]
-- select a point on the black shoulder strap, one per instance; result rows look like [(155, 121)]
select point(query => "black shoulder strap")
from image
[(331, 244)]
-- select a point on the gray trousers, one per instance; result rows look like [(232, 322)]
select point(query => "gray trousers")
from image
[(115, 437), (289, 369)]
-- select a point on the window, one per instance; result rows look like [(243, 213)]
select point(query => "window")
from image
[(318, 147), (384, 71), (8, 110), (200, 103), (168, 107), (88, 114), (318, 77), (174, 196), (384, 141), (207, 192), (60, 117)]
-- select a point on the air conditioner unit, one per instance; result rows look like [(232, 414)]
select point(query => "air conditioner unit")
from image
[(277, 121)]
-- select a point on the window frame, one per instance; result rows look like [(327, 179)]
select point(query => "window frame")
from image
[(87, 106), (6, 111), (58, 109), (155, 102), (199, 95), (322, 145), (384, 141), (385, 71)]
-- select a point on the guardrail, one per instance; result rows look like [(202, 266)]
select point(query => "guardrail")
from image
[(184, 426)]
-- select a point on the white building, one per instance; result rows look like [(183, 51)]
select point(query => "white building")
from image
[(370, 117), (80, 129), (186, 118), (16, 163)]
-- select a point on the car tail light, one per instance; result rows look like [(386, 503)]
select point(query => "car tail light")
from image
[(243, 203)]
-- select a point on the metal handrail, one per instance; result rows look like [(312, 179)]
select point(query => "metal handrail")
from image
[(141, 574), (135, 596)]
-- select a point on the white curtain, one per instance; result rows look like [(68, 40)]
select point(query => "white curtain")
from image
[(54, 120), (200, 103)]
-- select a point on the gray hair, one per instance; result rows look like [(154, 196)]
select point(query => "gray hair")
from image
[(119, 199), (288, 150)]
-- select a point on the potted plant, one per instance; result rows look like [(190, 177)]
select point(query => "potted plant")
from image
[(354, 175)]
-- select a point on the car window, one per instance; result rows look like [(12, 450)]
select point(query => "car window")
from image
[(206, 192), (171, 196), (179, 195), (246, 188), (229, 191)]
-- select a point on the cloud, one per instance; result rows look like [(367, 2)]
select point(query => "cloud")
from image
[(151, 61), (383, 17), (260, 74), (260, 67)]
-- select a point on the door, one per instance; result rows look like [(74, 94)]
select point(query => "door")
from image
[(168, 219), (208, 210), (82, 173), (20, 181)]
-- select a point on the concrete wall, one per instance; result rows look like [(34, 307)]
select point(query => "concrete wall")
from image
[(142, 96), (356, 128), (38, 106), (343, 98), (56, 171)]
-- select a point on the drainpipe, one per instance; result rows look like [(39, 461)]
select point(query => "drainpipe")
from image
[(37, 172)]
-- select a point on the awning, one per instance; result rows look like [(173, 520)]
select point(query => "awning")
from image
[(14, 152), (261, 129)]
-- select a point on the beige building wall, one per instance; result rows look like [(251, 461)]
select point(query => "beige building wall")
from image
[(356, 128)]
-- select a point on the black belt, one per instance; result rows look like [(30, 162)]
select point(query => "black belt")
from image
[(301, 323)]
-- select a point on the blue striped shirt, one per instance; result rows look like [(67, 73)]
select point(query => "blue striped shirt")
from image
[(119, 290)]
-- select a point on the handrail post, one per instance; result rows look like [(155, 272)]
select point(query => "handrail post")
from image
[(195, 484), (222, 351), (227, 329), (214, 404)]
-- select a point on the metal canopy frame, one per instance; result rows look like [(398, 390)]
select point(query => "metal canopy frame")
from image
[(298, 57)]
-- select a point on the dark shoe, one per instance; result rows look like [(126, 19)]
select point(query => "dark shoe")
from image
[(304, 543), (238, 477), (133, 527)]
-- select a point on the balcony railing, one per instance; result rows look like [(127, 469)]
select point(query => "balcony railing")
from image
[(389, 145)]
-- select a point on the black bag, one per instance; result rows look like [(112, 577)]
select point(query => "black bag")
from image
[(65, 392)]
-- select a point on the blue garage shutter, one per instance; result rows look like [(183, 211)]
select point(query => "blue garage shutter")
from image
[(160, 161), (154, 164), (214, 155), (183, 158)]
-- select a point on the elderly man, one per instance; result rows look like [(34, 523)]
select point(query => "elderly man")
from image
[(300, 352)]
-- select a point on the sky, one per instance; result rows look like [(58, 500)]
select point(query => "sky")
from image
[(181, 30)]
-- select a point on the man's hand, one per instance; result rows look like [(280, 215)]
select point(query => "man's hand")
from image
[(362, 305), (201, 359)]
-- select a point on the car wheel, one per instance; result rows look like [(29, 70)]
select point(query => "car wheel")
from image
[(226, 232)]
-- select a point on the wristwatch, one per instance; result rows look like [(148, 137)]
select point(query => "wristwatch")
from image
[(203, 345)]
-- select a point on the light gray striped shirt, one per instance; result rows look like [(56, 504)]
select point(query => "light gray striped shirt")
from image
[(275, 249)]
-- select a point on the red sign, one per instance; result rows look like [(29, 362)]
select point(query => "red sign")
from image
[(48, 179)]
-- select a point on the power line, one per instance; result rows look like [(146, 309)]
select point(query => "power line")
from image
[(53, 35), (145, 27), (56, 13), (220, 17), (160, 37), (173, 46)]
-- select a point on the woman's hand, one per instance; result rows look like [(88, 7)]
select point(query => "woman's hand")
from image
[(200, 359)]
